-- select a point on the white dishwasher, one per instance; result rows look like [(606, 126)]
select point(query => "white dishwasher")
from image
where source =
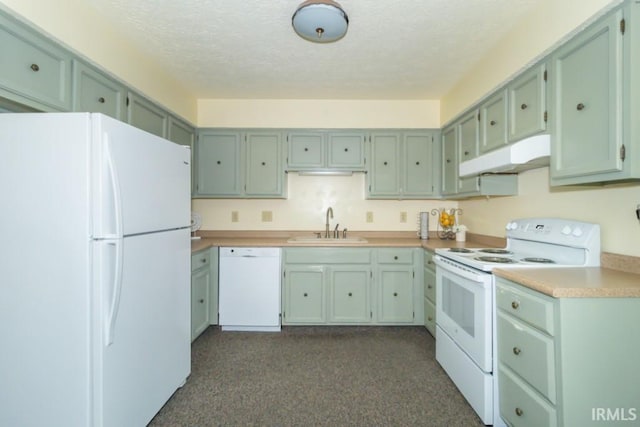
[(249, 289)]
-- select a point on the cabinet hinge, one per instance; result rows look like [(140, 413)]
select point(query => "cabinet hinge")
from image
[(544, 76), (622, 26), (414, 314), (284, 273), (414, 274), (545, 117), (127, 101), (478, 116), (371, 315), (623, 152)]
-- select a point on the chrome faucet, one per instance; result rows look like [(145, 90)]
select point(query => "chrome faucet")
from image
[(326, 230)]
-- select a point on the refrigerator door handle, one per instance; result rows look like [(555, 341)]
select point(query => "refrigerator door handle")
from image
[(115, 186), (112, 312)]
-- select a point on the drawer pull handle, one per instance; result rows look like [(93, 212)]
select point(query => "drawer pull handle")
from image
[(350, 294), (201, 301), (35, 67), (519, 412), (101, 100), (516, 351), (523, 106), (580, 107), (515, 305), (305, 294)]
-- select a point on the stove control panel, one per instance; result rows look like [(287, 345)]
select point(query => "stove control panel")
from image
[(554, 230)]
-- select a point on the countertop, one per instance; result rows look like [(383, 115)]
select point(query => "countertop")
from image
[(580, 282)]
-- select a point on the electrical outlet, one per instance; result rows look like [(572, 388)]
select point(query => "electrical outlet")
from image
[(235, 217), (267, 216), (369, 216), (403, 217)]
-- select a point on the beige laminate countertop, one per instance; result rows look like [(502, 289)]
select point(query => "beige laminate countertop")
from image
[(579, 282)]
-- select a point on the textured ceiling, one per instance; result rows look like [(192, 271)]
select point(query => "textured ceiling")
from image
[(394, 49)]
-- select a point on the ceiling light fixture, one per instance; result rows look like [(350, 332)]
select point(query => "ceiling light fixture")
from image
[(320, 21)]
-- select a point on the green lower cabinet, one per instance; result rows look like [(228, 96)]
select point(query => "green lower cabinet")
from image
[(201, 289), (349, 294), (567, 361), (429, 280), (395, 287), (304, 295)]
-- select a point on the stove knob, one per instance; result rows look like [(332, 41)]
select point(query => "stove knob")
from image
[(577, 232), (566, 230)]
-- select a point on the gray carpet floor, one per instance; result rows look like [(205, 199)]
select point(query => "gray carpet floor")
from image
[(317, 376)]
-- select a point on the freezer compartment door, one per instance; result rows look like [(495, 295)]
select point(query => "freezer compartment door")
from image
[(143, 351), (141, 183)]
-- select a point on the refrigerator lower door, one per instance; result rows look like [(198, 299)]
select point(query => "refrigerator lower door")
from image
[(144, 350)]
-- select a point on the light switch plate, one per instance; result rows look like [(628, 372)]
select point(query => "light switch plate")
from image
[(403, 217), (234, 216), (369, 216), (267, 216)]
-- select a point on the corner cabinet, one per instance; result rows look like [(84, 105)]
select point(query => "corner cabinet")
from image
[(560, 360), (232, 164), (347, 286), (401, 165)]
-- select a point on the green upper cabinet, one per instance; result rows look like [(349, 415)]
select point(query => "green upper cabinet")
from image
[(586, 112), (94, 92), (402, 165), (180, 132), (264, 171), (493, 122), (147, 116), (326, 150), (468, 140), (218, 164), (384, 174), (232, 163), (449, 167), (527, 104), (33, 70)]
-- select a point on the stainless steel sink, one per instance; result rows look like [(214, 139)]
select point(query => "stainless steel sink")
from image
[(322, 240)]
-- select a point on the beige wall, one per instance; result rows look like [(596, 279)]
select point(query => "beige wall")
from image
[(75, 24), (312, 113)]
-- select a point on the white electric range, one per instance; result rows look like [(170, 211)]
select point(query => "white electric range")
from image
[(465, 298)]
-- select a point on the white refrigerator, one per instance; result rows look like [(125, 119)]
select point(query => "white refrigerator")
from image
[(94, 271)]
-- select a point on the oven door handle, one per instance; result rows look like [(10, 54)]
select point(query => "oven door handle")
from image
[(458, 269)]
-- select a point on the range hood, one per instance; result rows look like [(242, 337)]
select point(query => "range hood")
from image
[(529, 153)]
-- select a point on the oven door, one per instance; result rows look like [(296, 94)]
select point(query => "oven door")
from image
[(463, 309)]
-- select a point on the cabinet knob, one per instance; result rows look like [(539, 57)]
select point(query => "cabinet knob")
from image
[(35, 67), (516, 351), (306, 149), (448, 160), (304, 295), (430, 319), (201, 301), (395, 294), (350, 294), (515, 305), (466, 153), (219, 162), (101, 100), (263, 163), (346, 150), (523, 106), (384, 163), (395, 257), (492, 122), (580, 107), (417, 163), (429, 287), (519, 412), (203, 260)]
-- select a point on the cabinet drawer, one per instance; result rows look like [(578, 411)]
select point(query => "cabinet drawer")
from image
[(525, 305), (430, 316), (395, 256), (200, 259), (522, 406), (528, 353), (33, 67), (428, 261), (430, 285), (318, 256)]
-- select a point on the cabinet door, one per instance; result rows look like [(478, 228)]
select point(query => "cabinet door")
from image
[(449, 161), (33, 70), (180, 132), (527, 104), (349, 297), (306, 151), (586, 113), (200, 286), (146, 116), (384, 173), (96, 93), (264, 171), (493, 122), (346, 151), (304, 295), (395, 299), (418, 158), (468, 139), (218, 168)]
